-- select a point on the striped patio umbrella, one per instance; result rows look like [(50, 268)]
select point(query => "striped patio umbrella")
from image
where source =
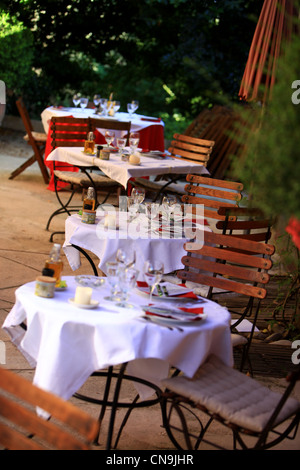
[(274, 27)]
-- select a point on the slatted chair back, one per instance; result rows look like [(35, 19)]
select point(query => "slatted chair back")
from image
[(212, 194), (111, 124), (68, 131), (220, 263), (191, 148), (249, 223), (21, 428), (37, 140), (222, 125)]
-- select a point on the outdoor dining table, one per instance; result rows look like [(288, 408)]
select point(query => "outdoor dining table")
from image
[(67, 344), (141, 238), (123, 171), (151, 129)]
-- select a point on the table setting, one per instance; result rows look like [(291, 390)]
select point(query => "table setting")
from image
[(83, 337), (141, 228)]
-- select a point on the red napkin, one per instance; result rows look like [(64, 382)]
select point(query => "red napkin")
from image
[(151, 119)]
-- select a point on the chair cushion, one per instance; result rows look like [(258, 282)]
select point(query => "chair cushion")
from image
[(238, 340), (157, 185), (81, 179), (234, 396), (38, 136)]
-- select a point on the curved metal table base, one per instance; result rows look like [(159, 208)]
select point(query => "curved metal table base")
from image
[(114, 403)]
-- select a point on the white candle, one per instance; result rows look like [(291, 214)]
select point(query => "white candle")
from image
[(110, 221), (83, 295)]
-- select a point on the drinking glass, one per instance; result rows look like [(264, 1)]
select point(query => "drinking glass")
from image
[(168, 202), (132, 207), (112, 272), (127, 279), (152, 209), (116, 106), (130, 108), (109, 137), (153, 273), (76, 99), (121, 143), (125, 258), (103, 105), (96, 100), (135, 105), (138, 195), (84, 102), (134, 139)]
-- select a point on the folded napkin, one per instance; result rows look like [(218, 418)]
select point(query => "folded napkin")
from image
[(151, 119), (172, 289), (181, 314)]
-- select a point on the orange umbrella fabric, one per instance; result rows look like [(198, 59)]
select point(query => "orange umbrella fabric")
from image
[(274, 27)]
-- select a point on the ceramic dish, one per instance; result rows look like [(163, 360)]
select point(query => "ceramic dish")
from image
[(93, 304)]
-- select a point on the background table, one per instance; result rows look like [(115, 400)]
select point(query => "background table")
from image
[(151, 129), (121, 171), (104, 242)]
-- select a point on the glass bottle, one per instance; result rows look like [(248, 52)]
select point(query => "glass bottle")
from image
[(90, 200), (89, 144), (54, 262)]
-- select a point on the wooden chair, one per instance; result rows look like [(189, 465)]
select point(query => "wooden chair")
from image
[(183, 147), (223, 126), (228, 264), (112, 124), (37, 141), (250, 410), (72, 132), (245, 222), (21, 428), (212, 194)]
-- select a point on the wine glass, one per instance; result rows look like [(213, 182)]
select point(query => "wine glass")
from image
[(134, 139), (152, 209), (125, 258), (109, 137), (168, 202), (83, 103), (103, 105), (76, 99), (130, 109), (96, 100), (138, 194), (121, 143), (112, 273), (116, 106), (135, 105), (127, 281), (132, 207), (153, 273)]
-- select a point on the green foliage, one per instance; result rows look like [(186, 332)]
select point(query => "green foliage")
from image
[(270, 167), (16, 53), (194, 49)]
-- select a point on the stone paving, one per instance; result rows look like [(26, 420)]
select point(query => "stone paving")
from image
[(25, 205)]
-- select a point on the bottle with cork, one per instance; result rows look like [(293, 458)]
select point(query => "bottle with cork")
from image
[(55, 263), (89, 200), (89, 144)]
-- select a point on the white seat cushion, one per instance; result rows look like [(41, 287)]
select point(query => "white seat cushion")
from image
[(231, 394), (38, 136)]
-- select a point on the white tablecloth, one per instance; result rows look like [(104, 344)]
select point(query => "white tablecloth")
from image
[(131, 237), (121, 171), (67, 344), (137, 120)]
